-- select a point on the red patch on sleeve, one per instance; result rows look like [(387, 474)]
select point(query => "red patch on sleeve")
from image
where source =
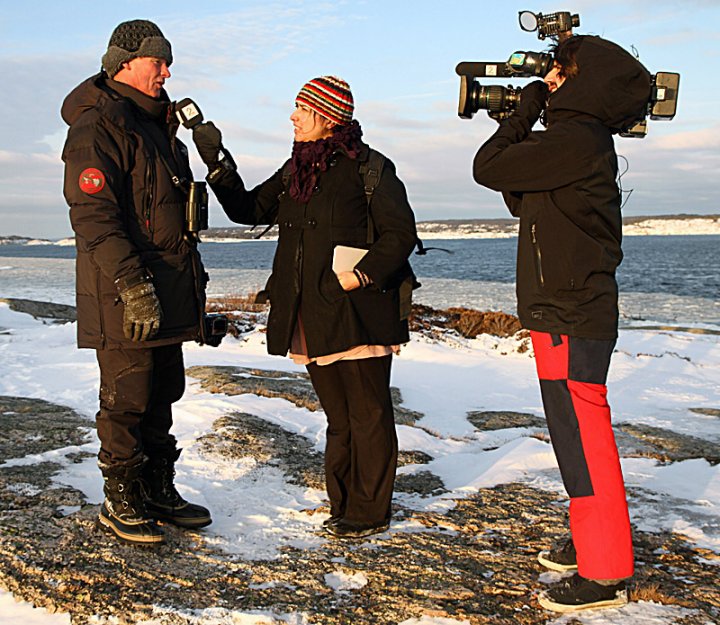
[(91, 180)]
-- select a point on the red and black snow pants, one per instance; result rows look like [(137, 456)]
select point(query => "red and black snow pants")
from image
[(573, 373)]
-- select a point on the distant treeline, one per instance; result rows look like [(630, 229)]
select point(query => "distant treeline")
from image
[(433, 225), (504, 225)]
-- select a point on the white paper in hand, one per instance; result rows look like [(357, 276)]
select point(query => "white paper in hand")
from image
[(345, 258)]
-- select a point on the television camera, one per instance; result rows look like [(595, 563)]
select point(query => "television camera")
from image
[(500, 101)]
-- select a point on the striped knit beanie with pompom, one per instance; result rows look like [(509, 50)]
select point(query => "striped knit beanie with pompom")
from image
[(330, 97)]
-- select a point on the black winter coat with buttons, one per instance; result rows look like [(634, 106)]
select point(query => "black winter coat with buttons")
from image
[(302, 280)]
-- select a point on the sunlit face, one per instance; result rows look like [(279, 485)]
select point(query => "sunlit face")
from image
[(553, 79), (308, 125), (147, 74)]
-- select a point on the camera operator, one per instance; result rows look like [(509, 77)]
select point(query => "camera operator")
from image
[(140, 283), (561, 183)]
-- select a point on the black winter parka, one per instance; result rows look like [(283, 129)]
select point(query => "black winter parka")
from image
[(561, 183), (302, 279), (128, 216)]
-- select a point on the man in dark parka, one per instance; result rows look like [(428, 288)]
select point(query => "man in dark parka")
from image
[(140, 282), (561, 183)]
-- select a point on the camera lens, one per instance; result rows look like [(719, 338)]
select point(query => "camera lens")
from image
[(495, 98), (492, 98)]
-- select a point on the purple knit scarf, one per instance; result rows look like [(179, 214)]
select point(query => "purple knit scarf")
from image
[(309, 158)]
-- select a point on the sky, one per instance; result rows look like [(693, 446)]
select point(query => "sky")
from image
[(244, 62)]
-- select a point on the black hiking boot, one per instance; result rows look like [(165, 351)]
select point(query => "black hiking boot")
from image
[(577, 593), (162, 500), (123, 511), (561, 557)]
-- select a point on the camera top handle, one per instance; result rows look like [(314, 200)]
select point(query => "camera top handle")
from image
[(499, 69), (519, 65)]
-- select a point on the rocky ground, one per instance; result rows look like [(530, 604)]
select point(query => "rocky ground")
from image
[(475, 562)]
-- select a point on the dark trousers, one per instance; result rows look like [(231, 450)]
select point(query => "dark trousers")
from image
[(137, 390), (573, 372), (361, 449)]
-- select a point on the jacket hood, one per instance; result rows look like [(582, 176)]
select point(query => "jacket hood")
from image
[(611, 85), (82, 98), (94, 93)]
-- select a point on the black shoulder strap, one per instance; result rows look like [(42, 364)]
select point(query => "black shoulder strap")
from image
[(371, 171)]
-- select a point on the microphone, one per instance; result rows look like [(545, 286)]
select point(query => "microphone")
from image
[(188, 113), (190, 116)]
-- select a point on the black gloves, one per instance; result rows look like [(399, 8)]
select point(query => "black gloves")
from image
[(532, 101), (208, 140), (142, 314)]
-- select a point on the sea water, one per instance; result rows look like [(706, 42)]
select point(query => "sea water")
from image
[(662, 279)]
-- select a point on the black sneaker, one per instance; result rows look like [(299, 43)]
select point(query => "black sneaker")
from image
[(561, 557), (577, 593), (350, 529)]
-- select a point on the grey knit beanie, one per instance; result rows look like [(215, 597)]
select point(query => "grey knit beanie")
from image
[(134, 39)]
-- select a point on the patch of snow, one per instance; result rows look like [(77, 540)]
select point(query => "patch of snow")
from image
[(16, 613), (340, 581)]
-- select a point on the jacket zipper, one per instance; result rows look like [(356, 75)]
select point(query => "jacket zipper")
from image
[(98, 286), (538, 255), (149, 181)]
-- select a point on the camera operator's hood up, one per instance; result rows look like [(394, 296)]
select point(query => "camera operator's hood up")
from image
[(611, 85)]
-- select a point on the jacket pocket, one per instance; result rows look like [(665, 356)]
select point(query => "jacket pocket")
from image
[(330, 288), (537, 255), (176, 288), (378, 312)]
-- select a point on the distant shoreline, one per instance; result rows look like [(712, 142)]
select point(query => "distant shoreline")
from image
[(651, 225)]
